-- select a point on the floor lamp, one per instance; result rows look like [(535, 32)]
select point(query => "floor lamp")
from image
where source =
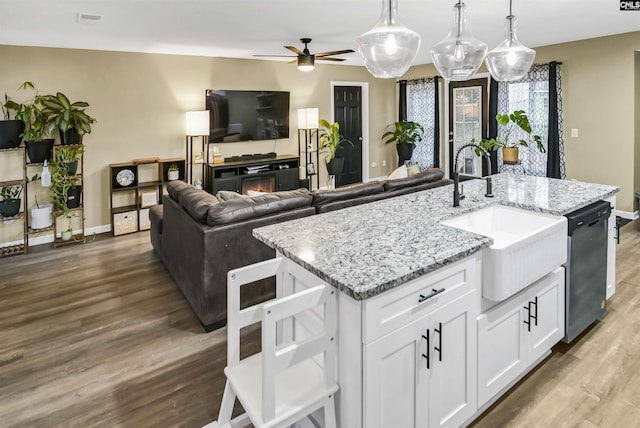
[(197, 126), (307, 129)]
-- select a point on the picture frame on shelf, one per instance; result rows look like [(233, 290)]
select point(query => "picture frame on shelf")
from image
[(198, 157), (148, 199)]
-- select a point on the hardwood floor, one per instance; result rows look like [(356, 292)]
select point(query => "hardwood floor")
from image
[(99, 335)]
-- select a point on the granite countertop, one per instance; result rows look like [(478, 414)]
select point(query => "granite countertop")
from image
[(367, 249)]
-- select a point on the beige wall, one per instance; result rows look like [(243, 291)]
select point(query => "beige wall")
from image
[(140, 100)]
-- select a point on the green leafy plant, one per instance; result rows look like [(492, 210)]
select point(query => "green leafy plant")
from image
[(404, 132), (66, 155), (62, 114), (511, 122), (30, 113), (174, 167), (61, 182), (330, 138), (10, 192)]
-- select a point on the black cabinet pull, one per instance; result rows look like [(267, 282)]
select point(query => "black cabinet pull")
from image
[(439, 348), (434, 292), (427, 356), (528, 320), (535, 317)]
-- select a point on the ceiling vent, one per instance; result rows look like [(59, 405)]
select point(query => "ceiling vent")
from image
[(88, 18)]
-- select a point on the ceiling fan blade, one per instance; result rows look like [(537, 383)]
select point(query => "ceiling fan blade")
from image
[(321, 54), (295, 50), (277, 56), (293, 61), (331, 59)]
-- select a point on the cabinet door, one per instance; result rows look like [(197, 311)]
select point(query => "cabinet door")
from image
[(547, 304), (453, 377), (502, 356), (232, 184), (287, 179), (395, 379)]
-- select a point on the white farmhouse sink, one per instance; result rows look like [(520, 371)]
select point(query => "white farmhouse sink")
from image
[(526, 246)]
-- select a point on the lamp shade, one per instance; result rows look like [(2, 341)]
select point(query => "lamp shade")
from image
[(389, 48), (510, 60), (306, 62), (308, 118), (459, 55), (197, 123)]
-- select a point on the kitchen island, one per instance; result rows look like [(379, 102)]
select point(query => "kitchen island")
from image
[(412, 320)]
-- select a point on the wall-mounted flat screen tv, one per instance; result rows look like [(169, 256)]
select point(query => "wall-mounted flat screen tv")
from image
[(247, 115)]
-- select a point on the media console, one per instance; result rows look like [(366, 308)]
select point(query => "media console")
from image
[(264, 174)]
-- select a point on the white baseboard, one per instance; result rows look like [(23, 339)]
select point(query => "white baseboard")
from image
[(48, 238), (627, 214)]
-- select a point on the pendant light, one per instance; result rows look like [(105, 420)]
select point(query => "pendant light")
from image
[(389, 48), (459, 55), (510, 60)]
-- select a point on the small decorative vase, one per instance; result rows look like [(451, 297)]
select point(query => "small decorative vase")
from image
[(405, 151), (173, 175), (510, 155)]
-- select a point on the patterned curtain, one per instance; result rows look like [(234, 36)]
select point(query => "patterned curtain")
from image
[(421, 108), (532, 95)]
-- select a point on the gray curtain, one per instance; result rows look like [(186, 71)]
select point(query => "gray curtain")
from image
[(422, 107)]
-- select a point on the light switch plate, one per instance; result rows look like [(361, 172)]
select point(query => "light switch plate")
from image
[(574, 132)]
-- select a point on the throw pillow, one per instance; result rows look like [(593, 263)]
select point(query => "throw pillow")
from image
[(400, 172), (413, 170), (227, 195)]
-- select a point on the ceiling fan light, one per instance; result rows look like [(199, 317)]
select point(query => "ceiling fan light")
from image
[(306, 62), (510, 60), (389, 48), (459, 55)]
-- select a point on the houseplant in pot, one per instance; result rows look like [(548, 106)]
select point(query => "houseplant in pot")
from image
[(10, 199), (63, 194), (10, 129), (173, 172), (70, 119), (512, 122), (405, 134), (34, 120), (331, 141)]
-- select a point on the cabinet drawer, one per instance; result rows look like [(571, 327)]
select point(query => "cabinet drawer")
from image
[(398, 307)]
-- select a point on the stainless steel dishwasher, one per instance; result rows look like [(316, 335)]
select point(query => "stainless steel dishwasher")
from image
[(586, 268)]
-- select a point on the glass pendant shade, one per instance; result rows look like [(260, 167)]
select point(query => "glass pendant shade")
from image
[(389, 48), (459, 55), (510, 60)]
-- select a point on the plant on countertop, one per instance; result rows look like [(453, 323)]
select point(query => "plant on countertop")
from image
[(404, 132), (511, 122), (330, 139)]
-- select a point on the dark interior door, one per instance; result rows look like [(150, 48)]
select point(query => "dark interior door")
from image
[(348, 113)]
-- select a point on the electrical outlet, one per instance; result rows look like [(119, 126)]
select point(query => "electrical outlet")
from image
[(374, 165), (574, 132), (384, 162)]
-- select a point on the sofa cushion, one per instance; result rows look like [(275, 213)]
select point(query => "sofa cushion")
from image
[(195, 201), (321, 197), (156, 216), (227, 195), (240, 209), (399, 172), (426, 176)]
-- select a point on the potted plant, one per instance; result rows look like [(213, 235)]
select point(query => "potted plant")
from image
[(70, 119), (405, 134), (34, 120), (65, 191), (331, 141), (10, 199), (174, 172), (10, 129), (67, 157), (511, 122)]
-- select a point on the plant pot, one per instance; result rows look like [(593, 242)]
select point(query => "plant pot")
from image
[(70, 137), (335, 165), (10, 131), (510, 155), (72, 167), (39, 151), (66, 235), (41, 217), (9, 208), (405, 151), (173, 175), (73, 197)]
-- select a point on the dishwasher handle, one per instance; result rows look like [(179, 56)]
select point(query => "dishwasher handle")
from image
[(588, 216)]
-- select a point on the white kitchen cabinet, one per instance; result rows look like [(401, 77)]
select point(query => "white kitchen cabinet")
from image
[(611, 249), (515, 334), (423, 374)]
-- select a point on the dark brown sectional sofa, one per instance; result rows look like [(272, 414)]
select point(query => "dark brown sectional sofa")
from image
[(200, 239)]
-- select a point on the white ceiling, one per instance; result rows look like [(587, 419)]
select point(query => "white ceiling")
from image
[(241, 28)]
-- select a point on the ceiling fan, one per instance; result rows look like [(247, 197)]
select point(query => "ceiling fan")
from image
[(306, 59)]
